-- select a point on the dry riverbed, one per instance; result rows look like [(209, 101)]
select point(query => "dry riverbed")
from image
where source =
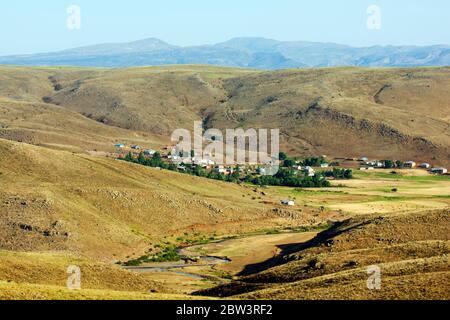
[(218, 262)]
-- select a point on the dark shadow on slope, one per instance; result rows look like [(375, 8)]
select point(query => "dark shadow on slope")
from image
[(244, 285), (322, 239)]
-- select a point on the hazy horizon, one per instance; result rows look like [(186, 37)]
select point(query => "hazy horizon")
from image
[(237, 37)]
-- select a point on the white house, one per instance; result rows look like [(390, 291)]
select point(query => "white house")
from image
[(439, 171), (120, 145), (149, 152), (376, 164), (229, 170), (410, 164), (364, 159), (220, 169), (324, 165), (204, 162), (309, 171), (425, 166), (290, 203)]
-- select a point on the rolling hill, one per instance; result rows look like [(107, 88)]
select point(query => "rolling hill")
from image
[(258, 53), (60, 208), (47, 204), (411, 250), (345, 112), (66, 200)]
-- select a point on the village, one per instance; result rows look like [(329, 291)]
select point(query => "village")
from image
[(313, 172), (312, 165)]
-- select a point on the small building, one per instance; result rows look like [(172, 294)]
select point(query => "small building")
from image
[(439, 171), (149, 152), (220, 169), (425, 166), (135, 147), (363, 159), (287, 202), (120, 145), (324, 165), (309, 171), (376, 164), (409, 164), (229, 170)]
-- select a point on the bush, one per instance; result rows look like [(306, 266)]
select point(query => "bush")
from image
[(313, 162), (340, 174), (287, 178)]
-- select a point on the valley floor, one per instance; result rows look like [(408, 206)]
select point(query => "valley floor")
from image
[(51, 218)]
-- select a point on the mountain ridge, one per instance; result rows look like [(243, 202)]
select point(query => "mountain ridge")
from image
[(247, 52)]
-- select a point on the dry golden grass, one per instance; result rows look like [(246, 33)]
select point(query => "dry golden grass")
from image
[(338, 112), (15, 291), (408, 191), (412, 251), (111, 210), (63, 202), (420, 284), (50, 268)]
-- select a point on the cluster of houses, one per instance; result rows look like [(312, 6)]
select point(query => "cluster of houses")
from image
[(208, 164), (309, 171), (371, 165), (136, 148)]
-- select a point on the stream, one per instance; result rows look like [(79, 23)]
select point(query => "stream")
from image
[(177, 267), (248, 250)]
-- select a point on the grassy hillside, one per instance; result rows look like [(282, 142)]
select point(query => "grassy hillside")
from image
[(25, 291), (380, 113), (63, 201), (110, 210), (50, 269), (411, 250)]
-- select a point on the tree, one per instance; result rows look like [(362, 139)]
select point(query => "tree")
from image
[(348, 174), (141, 159), (157, 156), (389, 164), (283, 156), (129, 157), (399, 164), (313, 162), (199, 172), (289, 163)]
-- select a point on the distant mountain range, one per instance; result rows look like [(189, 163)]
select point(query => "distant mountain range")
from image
[(258, 53)]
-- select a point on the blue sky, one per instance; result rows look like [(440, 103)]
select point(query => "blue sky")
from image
[(40, 26)]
